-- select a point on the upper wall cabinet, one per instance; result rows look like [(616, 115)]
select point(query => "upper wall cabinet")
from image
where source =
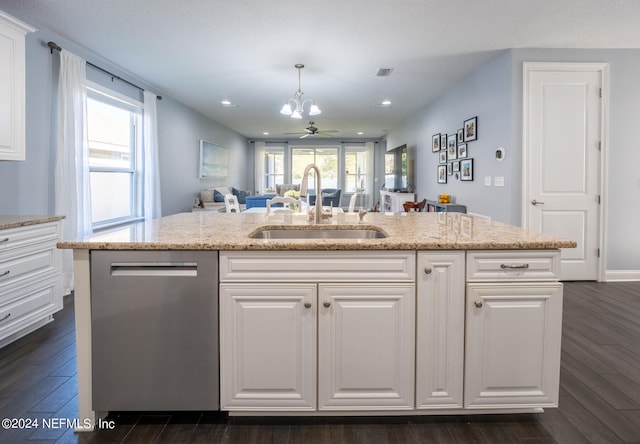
[(12, 87)]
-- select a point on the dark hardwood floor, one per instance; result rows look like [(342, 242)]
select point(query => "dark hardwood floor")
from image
[(599, 393)]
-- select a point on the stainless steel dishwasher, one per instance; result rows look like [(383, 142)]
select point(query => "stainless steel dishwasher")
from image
[(154, 327)]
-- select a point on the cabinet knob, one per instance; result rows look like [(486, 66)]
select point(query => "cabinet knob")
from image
[(327, 304), (478, 304), (427, 270), (307, 304)]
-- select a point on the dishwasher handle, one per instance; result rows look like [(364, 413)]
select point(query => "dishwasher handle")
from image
[(139, 269)]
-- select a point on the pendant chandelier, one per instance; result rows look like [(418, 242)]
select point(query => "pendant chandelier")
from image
[(295, 106)]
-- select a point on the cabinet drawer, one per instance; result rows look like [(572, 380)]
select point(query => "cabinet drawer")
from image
[(317, 266), (17, 237), (513, 265), (26, 304), (22, 264)]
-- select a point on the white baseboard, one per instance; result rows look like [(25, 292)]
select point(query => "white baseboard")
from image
[(622, 275)]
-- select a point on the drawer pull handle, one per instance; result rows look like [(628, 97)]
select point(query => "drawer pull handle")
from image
[(327, 304), (6, 239), (512, 267), (307, 304), (5, 317), (478, 304), (427, 270), (5, 273)]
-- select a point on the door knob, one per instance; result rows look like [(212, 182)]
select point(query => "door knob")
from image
[(536, 202)]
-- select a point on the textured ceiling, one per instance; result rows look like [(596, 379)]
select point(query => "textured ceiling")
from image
[(203, 51)]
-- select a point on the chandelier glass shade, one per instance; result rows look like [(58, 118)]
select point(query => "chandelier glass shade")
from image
[(294, 107)]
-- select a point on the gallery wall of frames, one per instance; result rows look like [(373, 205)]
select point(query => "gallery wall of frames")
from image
[(453, 152)]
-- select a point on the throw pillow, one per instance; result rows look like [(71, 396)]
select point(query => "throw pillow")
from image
[(240, 195), (218, 196), (206, 195)]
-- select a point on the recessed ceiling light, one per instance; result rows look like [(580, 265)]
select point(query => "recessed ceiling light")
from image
[(266, 133), (384, 104), (360, 133), (228, 104)]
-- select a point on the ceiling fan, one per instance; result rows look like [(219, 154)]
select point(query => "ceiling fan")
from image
[(311, 130)]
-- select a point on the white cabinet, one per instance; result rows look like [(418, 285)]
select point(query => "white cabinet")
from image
[(513, 330), (440, 330), (268, 346), (12, 87), (30, 287), (392, 202), (276, 331), (366, 347)]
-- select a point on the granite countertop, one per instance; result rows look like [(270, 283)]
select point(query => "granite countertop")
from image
[(21, 221), (405, 231)]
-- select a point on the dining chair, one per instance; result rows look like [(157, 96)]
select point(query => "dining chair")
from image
[(284, 200), (415, 206), (231, 203)]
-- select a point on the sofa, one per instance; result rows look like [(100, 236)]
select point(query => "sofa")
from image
[(212, 199)]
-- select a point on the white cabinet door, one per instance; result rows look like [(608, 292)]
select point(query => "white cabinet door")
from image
[(440, 330), (513, 345), (366, 341), (12, 87), (268, 347)]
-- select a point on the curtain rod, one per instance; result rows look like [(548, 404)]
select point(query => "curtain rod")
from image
[(53, 45)]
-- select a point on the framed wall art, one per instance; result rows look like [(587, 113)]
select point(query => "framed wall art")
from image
[(442, 174), (435, 143), (456, 166), (443, 157), (452, 150), (460, 134), (466, 169), (462, 150), (214, 161), (443, 141), (470, 129)]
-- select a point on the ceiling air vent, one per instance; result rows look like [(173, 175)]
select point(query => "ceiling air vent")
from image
[(384, 72)]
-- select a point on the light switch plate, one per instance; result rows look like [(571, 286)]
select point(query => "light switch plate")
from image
[(487, 181), (499, 181)]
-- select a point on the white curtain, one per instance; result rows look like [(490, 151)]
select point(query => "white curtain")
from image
[(151, 171), (72, 182), (259, 169)]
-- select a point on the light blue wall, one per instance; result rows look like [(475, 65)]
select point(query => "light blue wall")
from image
[(27, 187), (179, 132), (494, 94), (487, 95)]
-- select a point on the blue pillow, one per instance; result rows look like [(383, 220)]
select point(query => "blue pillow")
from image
[(217, 196), (240, 195)]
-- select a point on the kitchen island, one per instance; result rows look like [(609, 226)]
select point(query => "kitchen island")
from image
[(446, 313)]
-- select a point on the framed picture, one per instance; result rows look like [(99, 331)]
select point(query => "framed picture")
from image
[(435, 144), (460, 135), (443, 157), (214, 161), (462, 151), (470, 129), (443, 141), (442, 174), (456, 166), (466, 169), (452, 150), (449, 169)]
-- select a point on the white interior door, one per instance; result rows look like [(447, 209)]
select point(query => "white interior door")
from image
[(563, 127)]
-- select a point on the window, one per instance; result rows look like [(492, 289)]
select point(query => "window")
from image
[(273, 168), (356, 176), (325, 158), (114, 157)]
